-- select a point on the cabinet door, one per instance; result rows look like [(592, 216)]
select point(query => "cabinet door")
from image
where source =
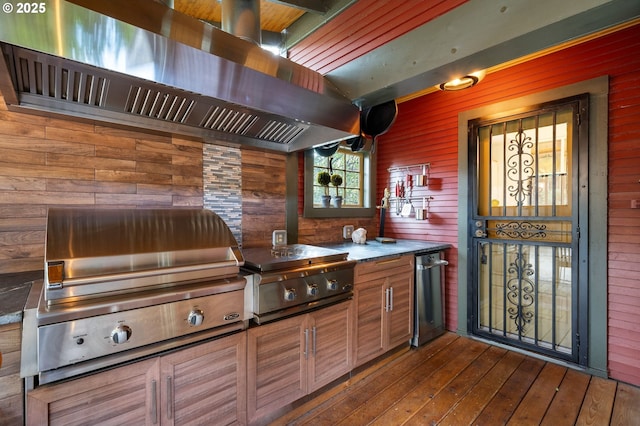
[(121, 396), (11, 396), (205, 384), (383, 292), (400, 313), (369, 314), (331, 336), (276, 365)]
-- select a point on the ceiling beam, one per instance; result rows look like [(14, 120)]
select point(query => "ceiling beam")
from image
[(313, 6), (309, 22)]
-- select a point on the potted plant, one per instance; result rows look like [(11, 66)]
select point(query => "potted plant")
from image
[(324, 179), (336, 180)]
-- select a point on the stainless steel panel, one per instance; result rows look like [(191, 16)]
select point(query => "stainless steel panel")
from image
[(73, 290), (283, 293), (276, 258), (29, 344), (429, 298), (77, 341), (91, 252), (85, 232), (96, 364), (48, 313), (298, 309)]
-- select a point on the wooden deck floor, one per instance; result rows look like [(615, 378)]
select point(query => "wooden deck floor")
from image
[(459, 381)]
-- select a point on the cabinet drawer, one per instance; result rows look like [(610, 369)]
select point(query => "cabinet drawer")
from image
[(384, 267)]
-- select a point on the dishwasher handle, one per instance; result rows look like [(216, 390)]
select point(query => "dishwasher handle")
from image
[(430, 265)]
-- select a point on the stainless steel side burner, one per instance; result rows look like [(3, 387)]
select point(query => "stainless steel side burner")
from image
[(288, 280)]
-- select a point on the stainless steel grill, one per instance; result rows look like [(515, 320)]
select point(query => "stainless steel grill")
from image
[(123, 284), (292, 279)]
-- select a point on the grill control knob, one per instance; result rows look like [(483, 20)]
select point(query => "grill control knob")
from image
[(196, 317), (332, 285), (120, 334), (289, 294), (312, 289)]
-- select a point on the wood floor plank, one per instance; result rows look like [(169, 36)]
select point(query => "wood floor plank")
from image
[(535, 403), (435, 410), (597, 405), (417, 384), (426, 389), (565, 406), (626, 410), (385, 385), (503, 404), (469, 407), (368, 386), (458, 381)]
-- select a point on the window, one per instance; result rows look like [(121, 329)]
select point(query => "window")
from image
[(346, 164), (357, 186)]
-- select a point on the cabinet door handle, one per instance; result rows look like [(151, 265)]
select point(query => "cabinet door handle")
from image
[(154, 403), (390, 298), (386, 261), (313, 331), (306, 343), (386, 300), (169, 398)]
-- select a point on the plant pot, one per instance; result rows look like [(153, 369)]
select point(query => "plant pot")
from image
[(337, 201), (326, 200)]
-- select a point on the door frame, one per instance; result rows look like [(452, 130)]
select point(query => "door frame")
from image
[(598, 89)]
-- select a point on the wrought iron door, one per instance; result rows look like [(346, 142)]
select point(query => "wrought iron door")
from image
[(528, 177)]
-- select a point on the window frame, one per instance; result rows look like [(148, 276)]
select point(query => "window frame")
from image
[(368, 191)]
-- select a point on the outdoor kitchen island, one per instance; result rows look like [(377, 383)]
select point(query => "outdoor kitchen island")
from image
[(378, 318)]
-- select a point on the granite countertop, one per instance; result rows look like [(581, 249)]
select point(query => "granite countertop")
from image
[(373, 249), (14, 289)]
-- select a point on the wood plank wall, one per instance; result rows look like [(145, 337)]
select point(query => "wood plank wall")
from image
[(48, 162), (263, 196)]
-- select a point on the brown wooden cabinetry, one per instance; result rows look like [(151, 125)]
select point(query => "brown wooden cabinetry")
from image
[(295, 356), (383, 298), (10, 382), (204, 384)]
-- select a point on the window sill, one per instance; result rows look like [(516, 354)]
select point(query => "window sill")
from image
[(327, 212)]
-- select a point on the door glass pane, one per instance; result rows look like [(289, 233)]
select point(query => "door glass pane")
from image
[(525, 294), (528, 161)]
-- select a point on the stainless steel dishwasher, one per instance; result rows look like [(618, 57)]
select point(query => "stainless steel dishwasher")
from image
[(429, 294)]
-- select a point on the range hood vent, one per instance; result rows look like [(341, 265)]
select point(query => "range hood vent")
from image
[(153, 103), (235, 92)]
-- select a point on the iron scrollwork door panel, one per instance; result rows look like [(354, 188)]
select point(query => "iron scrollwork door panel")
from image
[(523, 228)]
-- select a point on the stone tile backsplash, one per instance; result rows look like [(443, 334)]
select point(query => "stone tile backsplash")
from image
[(222, 181)]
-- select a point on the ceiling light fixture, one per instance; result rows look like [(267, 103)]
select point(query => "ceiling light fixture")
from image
[(465, 82)]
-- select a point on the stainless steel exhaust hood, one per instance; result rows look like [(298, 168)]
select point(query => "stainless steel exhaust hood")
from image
[(143, 64)]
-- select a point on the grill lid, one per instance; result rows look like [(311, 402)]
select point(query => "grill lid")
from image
[(92, 252)]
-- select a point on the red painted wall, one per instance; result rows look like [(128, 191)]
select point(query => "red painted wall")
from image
[(426, 130)]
